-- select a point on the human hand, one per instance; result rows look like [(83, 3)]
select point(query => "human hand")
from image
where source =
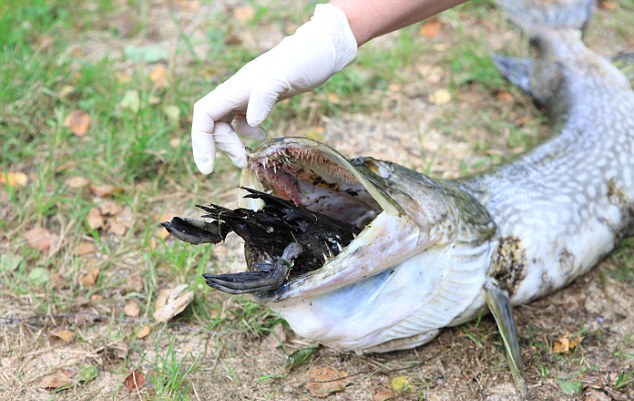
[(300, 63)]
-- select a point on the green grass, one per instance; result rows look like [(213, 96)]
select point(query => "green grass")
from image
[(172, 372), (138, 141)]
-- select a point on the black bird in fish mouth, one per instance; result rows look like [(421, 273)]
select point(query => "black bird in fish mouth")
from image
[(280, 239)]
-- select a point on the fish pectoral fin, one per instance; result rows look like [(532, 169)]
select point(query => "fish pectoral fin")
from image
[(515, 70), (499, 304)]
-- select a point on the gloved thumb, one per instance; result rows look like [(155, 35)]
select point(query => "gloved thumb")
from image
[(263, 97)]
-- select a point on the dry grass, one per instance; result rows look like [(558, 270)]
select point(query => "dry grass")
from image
[(100, 57)]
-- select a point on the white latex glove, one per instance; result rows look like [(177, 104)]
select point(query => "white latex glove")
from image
[(301, 62)]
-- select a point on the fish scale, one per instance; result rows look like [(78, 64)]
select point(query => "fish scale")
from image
[(560, 192)]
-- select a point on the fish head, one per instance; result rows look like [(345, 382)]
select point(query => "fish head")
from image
[(417, 265), (401, 212)]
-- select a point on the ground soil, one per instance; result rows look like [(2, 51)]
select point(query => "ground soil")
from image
[(463, 363)]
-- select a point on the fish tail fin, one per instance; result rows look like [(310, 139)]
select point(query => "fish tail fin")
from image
[(533, 16), (555, 29)]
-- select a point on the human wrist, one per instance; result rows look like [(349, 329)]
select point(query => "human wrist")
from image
[(361, 31)]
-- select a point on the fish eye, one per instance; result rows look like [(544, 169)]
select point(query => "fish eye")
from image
[(377, 167)]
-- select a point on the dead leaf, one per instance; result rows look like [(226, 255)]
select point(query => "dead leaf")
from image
[(134, 284), (78, 121), (440, 97), (14, 179), (81, 301), (95, 219), (504, 96), (40, 238), (431, 73), (334, 98), (561, 346), (120, 350), (608, 5), (57, 281), (77, 182), (175, 143), (110, 208), (89, 280), (58, 379), (132, 309), (243, 13), (323, 381), (85, 316), (161, 232), (161, 298), (170, 303), (66, 166), (564, 344), (160, 76), (121, 222), (134, 381), (64, 335), (105, 191), (84, 248), (381, 393), (575, 341), (145, 331), (430, 29)]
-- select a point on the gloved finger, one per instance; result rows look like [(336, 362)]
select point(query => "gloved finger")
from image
[(204, 150), (263, 97), (227, 98), (215, 106), (227, 141), (243, 128)]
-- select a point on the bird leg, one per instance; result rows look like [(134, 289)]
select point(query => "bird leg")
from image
[(268, 277)]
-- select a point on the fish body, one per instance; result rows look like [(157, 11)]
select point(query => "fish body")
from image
[(533, 225)]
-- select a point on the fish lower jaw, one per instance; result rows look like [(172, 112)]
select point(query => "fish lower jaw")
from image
[(399, 308)]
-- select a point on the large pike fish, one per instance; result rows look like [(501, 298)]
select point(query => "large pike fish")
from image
[(422, 254)]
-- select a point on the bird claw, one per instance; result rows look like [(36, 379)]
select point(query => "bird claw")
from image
[(268, 277)]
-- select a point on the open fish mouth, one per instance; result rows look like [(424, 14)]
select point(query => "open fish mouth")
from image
[(305, 205), (315, 177), (314, 222), (313, 202)]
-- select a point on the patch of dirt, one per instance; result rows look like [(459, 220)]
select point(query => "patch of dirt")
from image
[(236, 365)]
